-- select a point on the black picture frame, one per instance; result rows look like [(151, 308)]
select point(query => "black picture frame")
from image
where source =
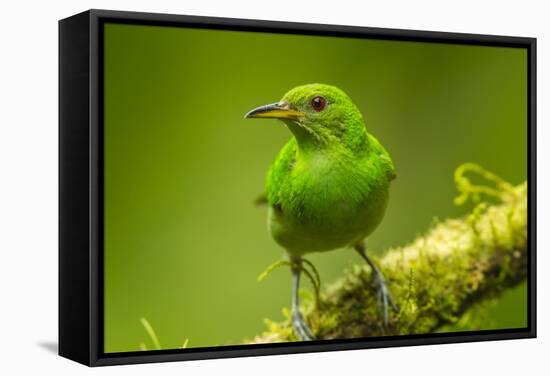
[(81, 182)]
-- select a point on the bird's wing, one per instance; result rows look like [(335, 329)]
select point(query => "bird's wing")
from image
[(386, 160), (280, 171), (383, 157)]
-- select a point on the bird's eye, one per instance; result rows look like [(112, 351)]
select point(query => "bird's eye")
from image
[(318, 103)]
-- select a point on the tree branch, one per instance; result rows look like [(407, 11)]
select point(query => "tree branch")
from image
[(434, 279)]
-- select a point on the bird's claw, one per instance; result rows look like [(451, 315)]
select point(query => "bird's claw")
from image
[(301, 329), (384, 297)]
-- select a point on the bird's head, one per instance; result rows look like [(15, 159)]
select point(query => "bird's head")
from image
[(318, 115)]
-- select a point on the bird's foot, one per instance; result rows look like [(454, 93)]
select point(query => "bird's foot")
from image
[(301, 329), (383, 295)]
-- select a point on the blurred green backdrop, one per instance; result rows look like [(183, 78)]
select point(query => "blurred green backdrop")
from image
[(184, 243)]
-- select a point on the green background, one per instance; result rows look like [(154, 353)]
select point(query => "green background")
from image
[(183, 242)]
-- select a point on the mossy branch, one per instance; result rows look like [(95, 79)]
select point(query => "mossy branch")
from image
[(434, 279)]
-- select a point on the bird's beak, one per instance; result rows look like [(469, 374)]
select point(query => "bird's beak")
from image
[(279, 110)]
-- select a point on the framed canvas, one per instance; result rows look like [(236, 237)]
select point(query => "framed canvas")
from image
[(234, 187)]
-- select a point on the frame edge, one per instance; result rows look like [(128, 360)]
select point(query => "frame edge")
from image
[(74, 161)]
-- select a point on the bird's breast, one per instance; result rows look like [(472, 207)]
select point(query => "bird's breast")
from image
[(325, 205)]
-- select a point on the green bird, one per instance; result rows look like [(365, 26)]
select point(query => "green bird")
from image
[(329, 186)]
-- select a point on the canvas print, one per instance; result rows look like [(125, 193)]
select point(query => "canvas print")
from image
[(275, 188)]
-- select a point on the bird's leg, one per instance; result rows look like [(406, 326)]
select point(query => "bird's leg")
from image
[(384, 295), (301, 329)]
